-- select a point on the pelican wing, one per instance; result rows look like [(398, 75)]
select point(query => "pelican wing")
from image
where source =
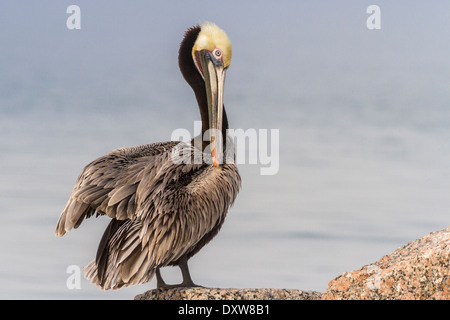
[(109, 185)]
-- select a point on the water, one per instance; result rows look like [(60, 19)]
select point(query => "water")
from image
[(363, 117)]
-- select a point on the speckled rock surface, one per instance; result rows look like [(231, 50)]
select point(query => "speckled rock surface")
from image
[(418, 270), (228, 294)]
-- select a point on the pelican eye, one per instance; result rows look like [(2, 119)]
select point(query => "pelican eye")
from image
[(217, 53)]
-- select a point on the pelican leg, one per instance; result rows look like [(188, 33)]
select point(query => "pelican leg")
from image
[(187, 280), (160, 283)]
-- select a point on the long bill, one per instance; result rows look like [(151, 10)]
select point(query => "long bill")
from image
[(214, 75)]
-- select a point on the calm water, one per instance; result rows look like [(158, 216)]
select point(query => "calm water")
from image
[(364, 122)]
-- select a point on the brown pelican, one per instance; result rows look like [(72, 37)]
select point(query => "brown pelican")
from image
[(162, 211)]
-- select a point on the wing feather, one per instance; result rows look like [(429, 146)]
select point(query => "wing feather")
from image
[(109, 184)]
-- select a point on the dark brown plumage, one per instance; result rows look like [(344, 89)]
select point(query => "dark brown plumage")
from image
[(162, 211)]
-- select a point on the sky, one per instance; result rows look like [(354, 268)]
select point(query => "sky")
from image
[(363, 118)]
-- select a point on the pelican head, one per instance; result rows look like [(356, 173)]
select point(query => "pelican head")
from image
[(212, 56), (214, 41)]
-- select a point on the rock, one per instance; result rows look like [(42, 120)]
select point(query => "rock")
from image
[(228, 294), (418, 270)]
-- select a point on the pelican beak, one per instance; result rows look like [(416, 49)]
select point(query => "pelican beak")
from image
[(214, 75)]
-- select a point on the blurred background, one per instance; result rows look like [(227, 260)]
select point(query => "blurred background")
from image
[(363, 116)]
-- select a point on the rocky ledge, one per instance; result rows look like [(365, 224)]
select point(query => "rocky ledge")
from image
[(228, 294), (418, 270)]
